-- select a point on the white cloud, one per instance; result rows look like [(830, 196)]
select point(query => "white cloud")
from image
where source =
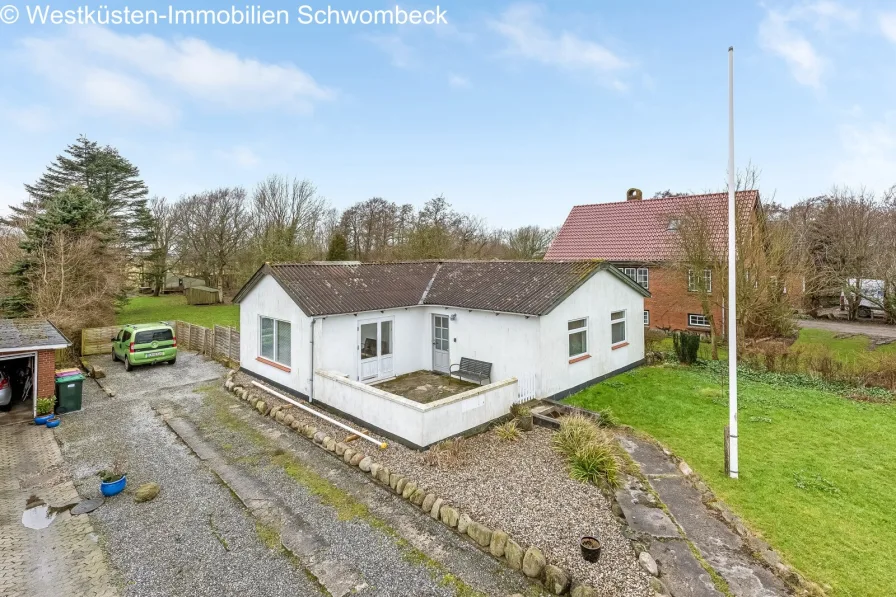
[(241, 156), (400, 53), (458, 81), (783, 33), (30, 119), (147, 77), (870, 153), (527, 38), (888, 25)]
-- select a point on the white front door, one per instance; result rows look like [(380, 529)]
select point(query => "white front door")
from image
[(441, 358), (375, 349)]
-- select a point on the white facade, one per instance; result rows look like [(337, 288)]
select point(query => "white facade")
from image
[(533, 349)]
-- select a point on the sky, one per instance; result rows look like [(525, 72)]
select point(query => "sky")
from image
[(514, 111)]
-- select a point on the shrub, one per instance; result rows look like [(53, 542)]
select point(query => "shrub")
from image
[(447, 453), (575, 431), (520, 410), (686, 347), (508, 432), (45, 405), (594, 462), (653, 340), (606, 418)]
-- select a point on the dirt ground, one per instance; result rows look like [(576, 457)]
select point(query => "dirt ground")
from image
[(425, 386)]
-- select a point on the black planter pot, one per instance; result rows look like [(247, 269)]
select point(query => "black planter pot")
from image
[(590, 549)]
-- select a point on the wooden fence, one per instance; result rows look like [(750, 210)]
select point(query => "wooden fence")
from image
[(222, 343)]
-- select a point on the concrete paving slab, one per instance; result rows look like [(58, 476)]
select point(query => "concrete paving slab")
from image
[(648, 456), (643, 518), (681, 572)]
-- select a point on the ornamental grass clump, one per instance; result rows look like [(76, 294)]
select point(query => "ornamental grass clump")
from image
[(591, 453), (508, 432), (575, 432)]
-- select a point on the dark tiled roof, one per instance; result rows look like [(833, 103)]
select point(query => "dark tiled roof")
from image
[(526, 287), (29, 333), (639, 230), (531, 287)]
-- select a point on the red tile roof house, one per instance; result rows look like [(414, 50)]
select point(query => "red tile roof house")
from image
[(639, 236), (331, 332)]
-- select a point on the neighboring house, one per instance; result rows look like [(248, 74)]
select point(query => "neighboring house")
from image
[(640, 237), (28, 359), (554, 327)]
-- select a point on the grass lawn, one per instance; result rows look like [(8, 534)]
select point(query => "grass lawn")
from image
[(817, 471), (169, 307)]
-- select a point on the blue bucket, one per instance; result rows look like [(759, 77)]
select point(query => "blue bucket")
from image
[(54, 422), (42, 420), (113, 488)]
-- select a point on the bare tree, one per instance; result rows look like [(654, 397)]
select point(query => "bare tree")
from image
[(286, 214), (213, 227), (163, 236), (530, 242)]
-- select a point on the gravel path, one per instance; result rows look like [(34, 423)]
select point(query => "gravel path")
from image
[(522, 488), (194, 539), (874, 330)]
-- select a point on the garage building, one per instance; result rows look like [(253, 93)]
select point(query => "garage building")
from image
[(27, 365)]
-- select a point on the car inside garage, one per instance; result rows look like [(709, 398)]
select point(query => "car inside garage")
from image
[(17, 387), (27, 366)]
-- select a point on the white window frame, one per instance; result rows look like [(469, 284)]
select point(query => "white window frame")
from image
[(646, 318), (581, 330), (639, 275), (277, 356), (692, 317), (707, 277), (624, 321)]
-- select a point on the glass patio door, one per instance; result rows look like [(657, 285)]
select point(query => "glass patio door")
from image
[(375, 350)]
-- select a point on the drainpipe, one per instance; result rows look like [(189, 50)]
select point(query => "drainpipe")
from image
[(311, 389)]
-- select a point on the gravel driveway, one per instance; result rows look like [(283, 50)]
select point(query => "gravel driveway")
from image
[(197, 539), (194, 539), (874, 330)]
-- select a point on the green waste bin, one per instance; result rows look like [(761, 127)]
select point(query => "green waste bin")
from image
[(68, 393)]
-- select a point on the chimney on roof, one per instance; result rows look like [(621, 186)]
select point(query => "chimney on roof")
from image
[(633, 195)]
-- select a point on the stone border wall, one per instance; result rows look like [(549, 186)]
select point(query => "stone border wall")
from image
[(497, 543)]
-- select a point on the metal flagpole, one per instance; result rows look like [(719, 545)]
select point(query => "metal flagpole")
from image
[(732, 281)]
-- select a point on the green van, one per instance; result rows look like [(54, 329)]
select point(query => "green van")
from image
[(145, 344)]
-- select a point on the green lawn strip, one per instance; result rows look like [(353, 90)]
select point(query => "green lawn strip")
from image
[(816, 468), (346, 506), (171, 307)]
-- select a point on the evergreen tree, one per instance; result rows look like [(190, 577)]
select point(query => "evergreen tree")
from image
[(73, 212), (338, 249), (109, 178)]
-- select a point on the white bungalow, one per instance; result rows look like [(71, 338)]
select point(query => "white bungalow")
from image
[(332, 331)]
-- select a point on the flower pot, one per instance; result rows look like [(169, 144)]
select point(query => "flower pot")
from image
[(54, 422), (525, 423), (590, 549), (113, 487), (42, 419)]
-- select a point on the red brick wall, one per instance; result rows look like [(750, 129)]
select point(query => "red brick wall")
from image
[(46, 372), (671, 302)]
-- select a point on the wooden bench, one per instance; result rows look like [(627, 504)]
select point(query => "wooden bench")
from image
[(472, 369)]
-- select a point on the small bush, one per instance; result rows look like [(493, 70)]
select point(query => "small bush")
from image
[(508, 432), (594, 462), (447, 453), (606, 418), (520, 410), (686, 347), (653, 340), (575, 431), (45, 405)]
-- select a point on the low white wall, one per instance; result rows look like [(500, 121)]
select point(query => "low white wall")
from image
[(419, 424)]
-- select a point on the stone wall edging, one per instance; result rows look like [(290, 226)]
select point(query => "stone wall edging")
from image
[(494, 542)]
